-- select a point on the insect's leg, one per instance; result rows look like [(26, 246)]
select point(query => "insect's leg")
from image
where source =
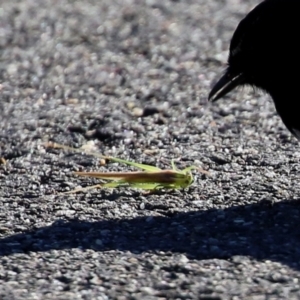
[(165, 186), (97, 186), (113, 184)]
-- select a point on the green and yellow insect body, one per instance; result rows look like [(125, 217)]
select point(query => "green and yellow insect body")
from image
[(151, 178)]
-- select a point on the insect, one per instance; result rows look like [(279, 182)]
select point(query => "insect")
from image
[(151, 178)]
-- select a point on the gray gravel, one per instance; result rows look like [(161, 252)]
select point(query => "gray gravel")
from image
[(132, 77)]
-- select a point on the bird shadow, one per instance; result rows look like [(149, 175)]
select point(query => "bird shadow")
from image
[(261, 231)]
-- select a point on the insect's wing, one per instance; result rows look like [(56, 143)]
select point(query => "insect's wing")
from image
[(106, 176)]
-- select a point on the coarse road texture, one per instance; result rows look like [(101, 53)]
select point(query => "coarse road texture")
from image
[(130, 78)]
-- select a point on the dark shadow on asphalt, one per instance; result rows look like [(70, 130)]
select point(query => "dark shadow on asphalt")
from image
[(260, 231)]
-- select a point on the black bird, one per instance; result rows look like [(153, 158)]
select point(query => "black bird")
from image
[(265, 53)]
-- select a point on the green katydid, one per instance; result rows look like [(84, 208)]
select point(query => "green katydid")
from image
[(152, 178)]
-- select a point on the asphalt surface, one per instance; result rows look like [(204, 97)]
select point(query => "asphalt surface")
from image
[(131, 78)]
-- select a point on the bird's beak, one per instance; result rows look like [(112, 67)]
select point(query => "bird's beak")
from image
[(225, 84)]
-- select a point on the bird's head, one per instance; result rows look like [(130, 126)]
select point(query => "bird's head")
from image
[(263, 46)]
